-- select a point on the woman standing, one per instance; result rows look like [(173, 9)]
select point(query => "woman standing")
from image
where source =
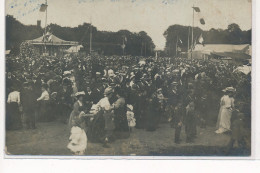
[(77, 108), (108, 115), (44, 104), (225, 111), (13, 118), (121, 123)]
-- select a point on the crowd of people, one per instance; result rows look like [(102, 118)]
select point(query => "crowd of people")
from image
[(107, 95)]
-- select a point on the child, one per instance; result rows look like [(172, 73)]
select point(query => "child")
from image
[(78, 138), (130, 117)]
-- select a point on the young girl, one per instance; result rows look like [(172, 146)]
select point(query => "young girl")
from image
[(130, 117), (78, 138)]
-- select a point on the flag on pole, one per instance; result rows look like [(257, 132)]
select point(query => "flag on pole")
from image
[(202, 21), (197, 9), (43, 7)]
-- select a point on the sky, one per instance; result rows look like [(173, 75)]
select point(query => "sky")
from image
[(152, 16)]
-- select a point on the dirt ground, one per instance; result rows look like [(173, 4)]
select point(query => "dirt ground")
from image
[(52, 138)]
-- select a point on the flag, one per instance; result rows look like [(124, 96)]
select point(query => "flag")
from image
[(50, 38), (197, 9), (43, 7), (179, 49), (201, 40), (202, 21)]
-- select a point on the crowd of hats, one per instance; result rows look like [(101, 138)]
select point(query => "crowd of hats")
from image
[(142, 74)]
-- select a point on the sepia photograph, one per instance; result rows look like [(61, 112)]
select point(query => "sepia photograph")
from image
[(167, 78)]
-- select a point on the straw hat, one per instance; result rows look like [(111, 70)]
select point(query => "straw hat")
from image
[(229, 89), (82, 93)]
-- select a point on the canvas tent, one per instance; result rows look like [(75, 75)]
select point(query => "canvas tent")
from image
[(223, 51), (51, 44), (74, 49)]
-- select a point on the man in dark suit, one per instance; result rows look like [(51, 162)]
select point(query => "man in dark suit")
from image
[(89, 98), (28, 102)]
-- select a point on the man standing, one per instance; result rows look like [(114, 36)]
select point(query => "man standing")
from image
[(28, 102)]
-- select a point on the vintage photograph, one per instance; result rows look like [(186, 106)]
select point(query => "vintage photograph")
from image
[(128, 78)]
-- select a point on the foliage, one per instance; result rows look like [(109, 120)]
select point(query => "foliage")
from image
[(106, 42)]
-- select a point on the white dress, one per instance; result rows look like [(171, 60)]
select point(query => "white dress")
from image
[(78, 141), (225, 113)]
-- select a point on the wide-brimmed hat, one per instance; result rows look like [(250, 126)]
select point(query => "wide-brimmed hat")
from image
[(67, 72), (229, 89), (81, 93)]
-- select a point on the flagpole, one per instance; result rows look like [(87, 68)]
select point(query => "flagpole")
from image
[(145, 49), (90, 37), (46, 17), (142, 49), (176, 47), (192, 30), (123, 46), (45, 28), (188, 41)]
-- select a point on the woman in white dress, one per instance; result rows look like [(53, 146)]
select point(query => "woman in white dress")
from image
[(225, 111)]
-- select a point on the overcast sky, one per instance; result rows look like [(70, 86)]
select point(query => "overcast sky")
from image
[(152, 16)]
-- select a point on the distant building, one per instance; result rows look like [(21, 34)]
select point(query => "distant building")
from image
[(223, 52)]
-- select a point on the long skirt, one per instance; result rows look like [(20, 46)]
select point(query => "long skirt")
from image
[(121, 123), (13, 117), (44, 114), (224, 117), (96, 130)]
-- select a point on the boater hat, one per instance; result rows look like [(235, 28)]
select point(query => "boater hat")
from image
[(82, 93)]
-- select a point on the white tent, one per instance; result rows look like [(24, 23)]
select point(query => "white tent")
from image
[(244, 69), (74, 49)]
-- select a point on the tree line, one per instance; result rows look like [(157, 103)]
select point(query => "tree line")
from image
[(180, 35), (105, 42)]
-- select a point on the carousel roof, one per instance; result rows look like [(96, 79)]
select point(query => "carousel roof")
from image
[(50, 39)]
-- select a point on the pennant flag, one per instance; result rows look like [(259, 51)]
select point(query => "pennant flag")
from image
[(197, 9), (202, 21), (50, 38), (201, 40), (43, 7)]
